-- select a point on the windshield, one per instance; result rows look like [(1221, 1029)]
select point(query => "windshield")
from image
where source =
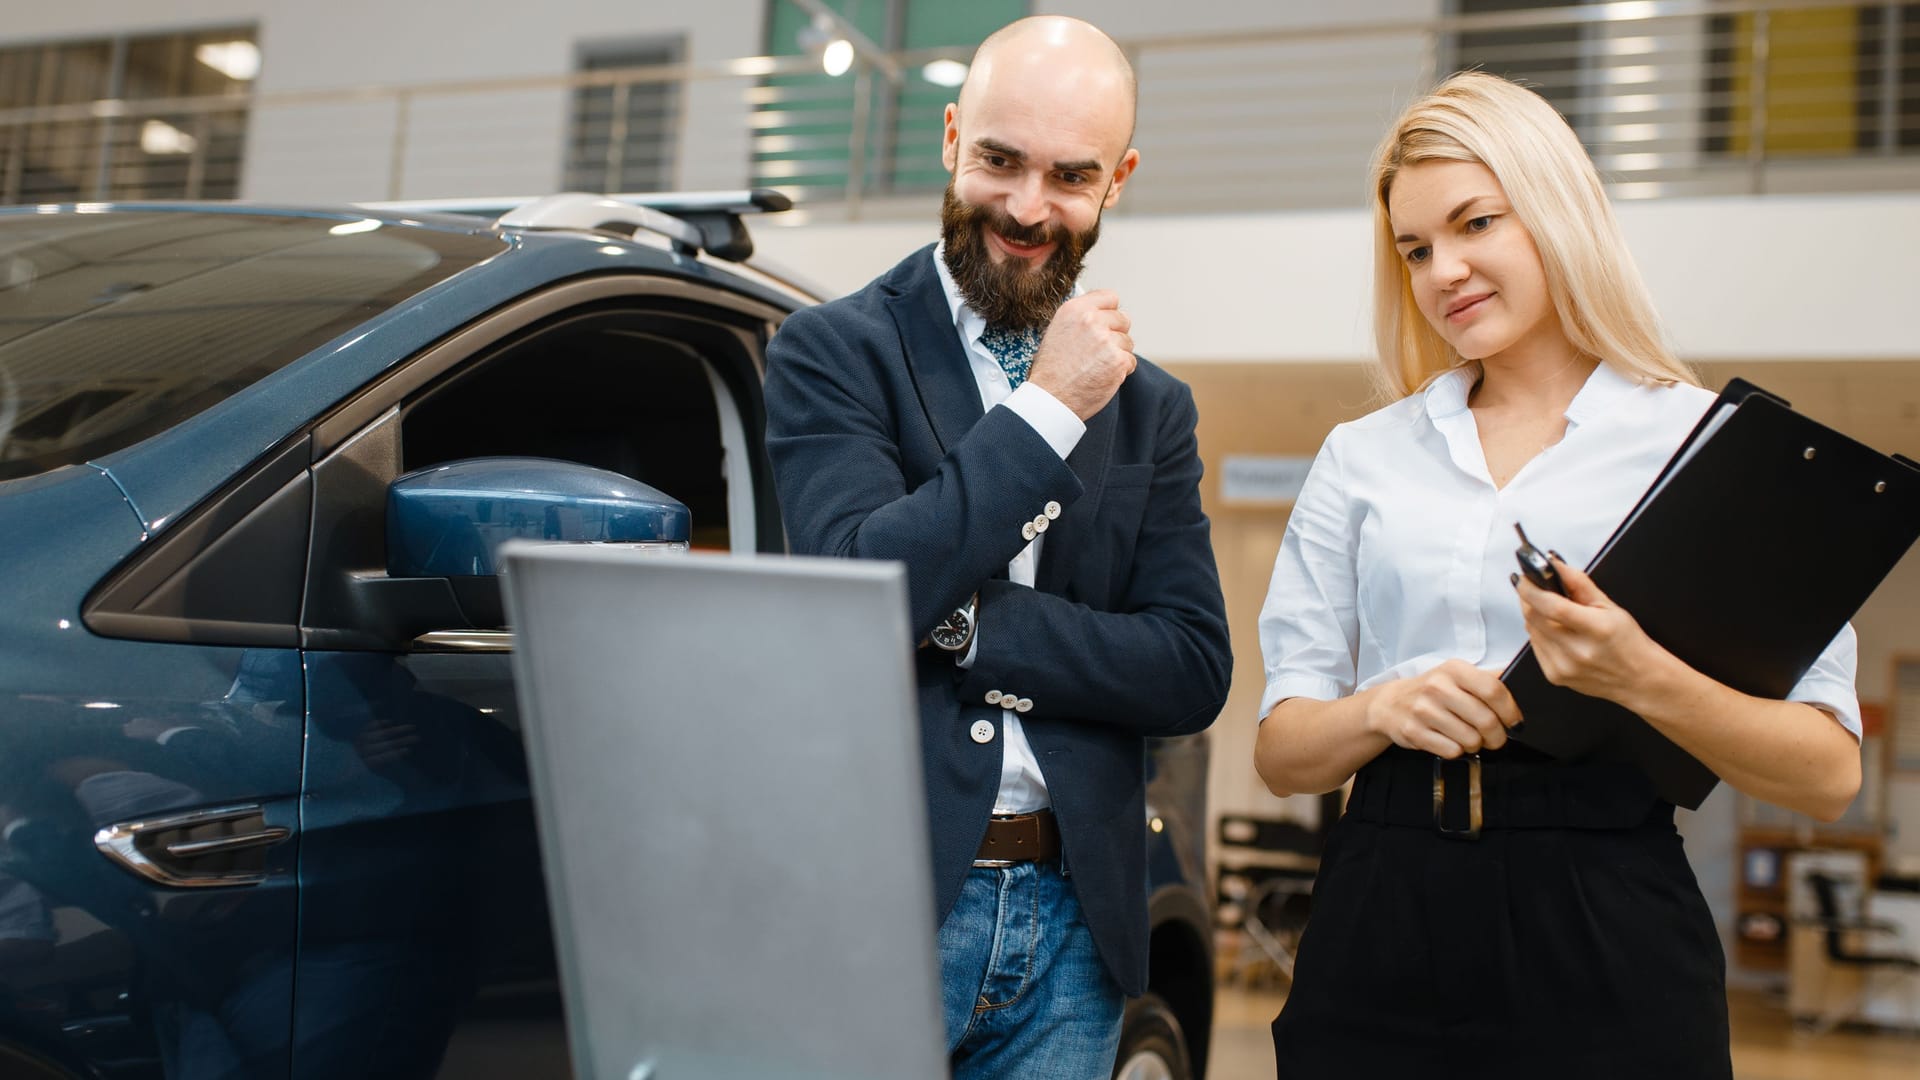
[(117, 325)]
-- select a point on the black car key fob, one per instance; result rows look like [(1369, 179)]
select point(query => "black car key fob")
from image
[(1533, 563)]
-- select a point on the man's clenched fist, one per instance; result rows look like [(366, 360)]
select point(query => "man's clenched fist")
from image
[(1086, 352)]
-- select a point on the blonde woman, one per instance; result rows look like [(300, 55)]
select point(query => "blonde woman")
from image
[(1569, 934)]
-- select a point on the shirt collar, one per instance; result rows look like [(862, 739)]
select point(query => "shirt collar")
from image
[(1605, 386), (1447, 393), (965, 319)]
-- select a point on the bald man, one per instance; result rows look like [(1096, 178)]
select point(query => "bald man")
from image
[(973, 415)]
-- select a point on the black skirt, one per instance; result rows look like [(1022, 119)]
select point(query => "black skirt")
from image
[(1569, 940)]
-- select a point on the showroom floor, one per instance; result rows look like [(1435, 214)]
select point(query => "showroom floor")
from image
[(1765, 1045)]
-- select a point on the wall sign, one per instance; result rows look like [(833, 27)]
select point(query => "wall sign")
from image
[(1251, 478)]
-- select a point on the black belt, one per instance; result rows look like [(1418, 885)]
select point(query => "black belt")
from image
[(1505, 789), (1020, 838)]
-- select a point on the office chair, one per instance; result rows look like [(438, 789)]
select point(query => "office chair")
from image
[(1845, 930), (1264, 880)]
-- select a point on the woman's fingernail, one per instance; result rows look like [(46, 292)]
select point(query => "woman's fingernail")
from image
[(1556, 555), (1513, 580)]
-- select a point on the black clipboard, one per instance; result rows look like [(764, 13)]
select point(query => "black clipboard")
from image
[(1759, 539)]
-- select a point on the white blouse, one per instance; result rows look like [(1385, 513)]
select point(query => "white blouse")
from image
[(1399, 548)]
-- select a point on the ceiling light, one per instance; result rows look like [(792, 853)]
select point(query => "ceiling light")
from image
[(945, 73), (160, 137), (837, 58), (238, 60)]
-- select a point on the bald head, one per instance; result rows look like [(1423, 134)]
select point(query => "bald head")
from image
[(1054, 57)]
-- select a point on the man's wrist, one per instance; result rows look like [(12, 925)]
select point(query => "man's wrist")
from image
[(1049, 416), (955, 633)]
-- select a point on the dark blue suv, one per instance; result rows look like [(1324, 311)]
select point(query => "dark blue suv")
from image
[(263, 804)]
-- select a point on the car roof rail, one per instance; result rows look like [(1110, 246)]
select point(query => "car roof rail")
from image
[(694, 221), (717, 214)]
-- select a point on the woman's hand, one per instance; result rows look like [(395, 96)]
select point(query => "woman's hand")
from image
[(1786, 752), (1451, 710), (1585, 641)]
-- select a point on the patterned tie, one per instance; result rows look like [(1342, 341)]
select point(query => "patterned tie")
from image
[(1013, 349)]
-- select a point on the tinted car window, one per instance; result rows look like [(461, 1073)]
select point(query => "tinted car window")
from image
[(118, 325)]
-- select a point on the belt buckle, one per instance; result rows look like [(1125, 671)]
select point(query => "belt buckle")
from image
[(1474, 818)]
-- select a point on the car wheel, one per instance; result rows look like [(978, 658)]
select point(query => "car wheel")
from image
[(1151, 1045)]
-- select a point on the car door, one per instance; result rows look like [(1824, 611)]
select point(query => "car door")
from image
[(425, 944)]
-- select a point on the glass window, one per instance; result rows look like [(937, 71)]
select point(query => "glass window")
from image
[(810, 128), (1549, 59), (54, 148), (625, 133), (116, 326)]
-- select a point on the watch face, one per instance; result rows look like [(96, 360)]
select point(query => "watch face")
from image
[(954, 631)]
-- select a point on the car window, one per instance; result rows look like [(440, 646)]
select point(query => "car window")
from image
[(118, 325), (637, 394)]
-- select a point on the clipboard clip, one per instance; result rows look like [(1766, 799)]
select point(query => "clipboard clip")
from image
[(1473, 792)]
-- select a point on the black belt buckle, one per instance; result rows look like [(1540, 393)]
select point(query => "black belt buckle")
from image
[(1472, 831)]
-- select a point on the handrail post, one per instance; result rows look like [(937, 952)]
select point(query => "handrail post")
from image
[(197, 157), (1761, 46), (396, 168), (116, 93), (857, 141), (1890, 32), (617, 137)]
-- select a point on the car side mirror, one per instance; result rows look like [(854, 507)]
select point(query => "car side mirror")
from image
[(448, 520)]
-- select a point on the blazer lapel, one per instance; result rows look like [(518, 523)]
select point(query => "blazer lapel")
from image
[(935, 359), (1065, 539)]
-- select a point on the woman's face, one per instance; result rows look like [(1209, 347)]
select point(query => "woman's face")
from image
[(1475, 273)]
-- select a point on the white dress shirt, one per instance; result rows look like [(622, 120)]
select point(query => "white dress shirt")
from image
[(1022, 788), (1398, 551)]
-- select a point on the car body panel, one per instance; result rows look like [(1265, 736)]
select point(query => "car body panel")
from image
[(100, 968)]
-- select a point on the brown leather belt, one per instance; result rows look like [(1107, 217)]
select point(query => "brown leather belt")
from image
[(1019, 838)]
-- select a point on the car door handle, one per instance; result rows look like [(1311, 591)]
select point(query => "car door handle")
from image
[(191, 849), (201, 849)]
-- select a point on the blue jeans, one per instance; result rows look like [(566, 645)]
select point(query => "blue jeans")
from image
[(1024, 990)]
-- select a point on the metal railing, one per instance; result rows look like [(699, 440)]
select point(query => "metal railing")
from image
[(1672, 97)]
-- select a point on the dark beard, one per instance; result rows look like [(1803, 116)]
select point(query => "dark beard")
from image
[(1009, 294)]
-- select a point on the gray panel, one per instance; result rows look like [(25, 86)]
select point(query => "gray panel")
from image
[(726, 772)]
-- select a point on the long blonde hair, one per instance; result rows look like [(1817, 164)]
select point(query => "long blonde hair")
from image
[(1603, 305)]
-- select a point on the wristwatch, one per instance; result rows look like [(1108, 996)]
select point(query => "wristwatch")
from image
[(955, 632)]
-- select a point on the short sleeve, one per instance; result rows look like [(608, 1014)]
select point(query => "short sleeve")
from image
[(1829, 682), (1309, 624)]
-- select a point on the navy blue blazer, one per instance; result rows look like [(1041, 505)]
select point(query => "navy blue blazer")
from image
[(880, 450)]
